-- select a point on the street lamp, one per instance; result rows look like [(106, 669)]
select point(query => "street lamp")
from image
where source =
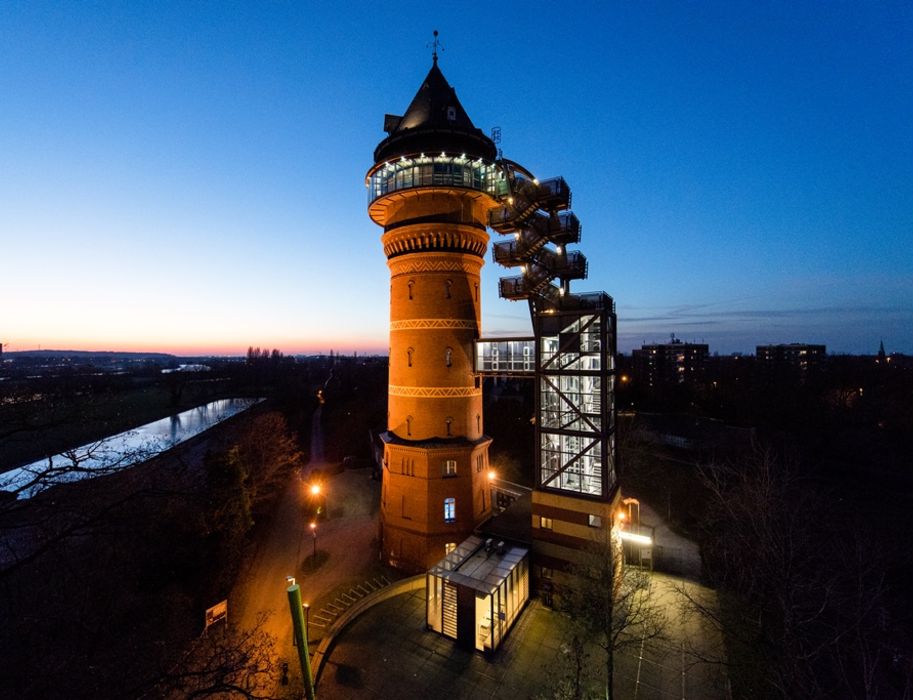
[(314, 533), (315, 490)]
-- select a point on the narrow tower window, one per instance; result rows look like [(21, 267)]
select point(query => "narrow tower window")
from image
[(477, 292), (409, 425), (448, 357), (449, 510), (411, 285), (448, 422), (447, 285), (451, 114), (478, 422), (409, 353)]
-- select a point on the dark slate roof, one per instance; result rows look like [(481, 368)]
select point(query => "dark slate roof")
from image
[(435, 121)]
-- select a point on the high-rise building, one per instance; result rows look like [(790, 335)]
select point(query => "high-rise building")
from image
[(661, 365), (790, 362), (431, 189)]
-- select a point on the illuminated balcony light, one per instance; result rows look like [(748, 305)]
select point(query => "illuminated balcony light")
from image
[(443, 155)]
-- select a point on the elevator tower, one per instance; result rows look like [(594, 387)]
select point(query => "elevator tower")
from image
[(432, 186)]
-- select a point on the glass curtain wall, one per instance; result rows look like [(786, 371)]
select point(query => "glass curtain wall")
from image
[(496, 611), (434, 171), (575, 381)]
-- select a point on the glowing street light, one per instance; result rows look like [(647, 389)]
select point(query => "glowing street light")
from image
[(318, 498), (314, 533)]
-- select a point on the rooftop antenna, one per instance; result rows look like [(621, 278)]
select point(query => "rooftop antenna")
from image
[(435, 45), (496, 139)]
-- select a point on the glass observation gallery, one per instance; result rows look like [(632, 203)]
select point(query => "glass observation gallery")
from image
[(476, 592)]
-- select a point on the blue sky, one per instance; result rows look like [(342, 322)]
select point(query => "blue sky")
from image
[(189, 176)]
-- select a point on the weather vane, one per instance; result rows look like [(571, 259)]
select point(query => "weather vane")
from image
[(435, 45)]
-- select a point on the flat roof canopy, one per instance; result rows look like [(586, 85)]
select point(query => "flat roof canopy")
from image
[(473, 566)]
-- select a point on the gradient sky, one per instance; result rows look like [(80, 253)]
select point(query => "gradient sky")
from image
[(189, 177)]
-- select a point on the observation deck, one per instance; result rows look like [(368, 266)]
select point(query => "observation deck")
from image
[(387, 181)]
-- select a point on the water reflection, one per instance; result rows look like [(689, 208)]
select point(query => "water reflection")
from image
[(120, 450)]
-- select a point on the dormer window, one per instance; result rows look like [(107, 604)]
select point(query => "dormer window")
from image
[(451, 114)]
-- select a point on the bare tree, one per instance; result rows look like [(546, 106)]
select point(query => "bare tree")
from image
[(804, 600), (225, 662), (609, 605)]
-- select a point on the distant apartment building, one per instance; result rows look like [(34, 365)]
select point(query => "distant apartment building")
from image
[(790, 362), (668, 364)]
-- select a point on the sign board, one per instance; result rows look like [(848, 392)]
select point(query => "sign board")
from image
[(216, 613)]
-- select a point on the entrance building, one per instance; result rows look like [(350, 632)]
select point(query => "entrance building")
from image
[(475, 593)]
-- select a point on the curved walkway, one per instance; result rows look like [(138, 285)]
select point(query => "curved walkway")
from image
[(416, 583)]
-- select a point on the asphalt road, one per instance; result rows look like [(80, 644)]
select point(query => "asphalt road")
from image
[(347, 549)]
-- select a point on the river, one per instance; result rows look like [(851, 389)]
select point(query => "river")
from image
[(120, 450)]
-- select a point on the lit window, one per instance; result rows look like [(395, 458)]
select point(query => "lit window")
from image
[(449, 510), (449, 547), (545, 523), (449, 468), (595, 520)]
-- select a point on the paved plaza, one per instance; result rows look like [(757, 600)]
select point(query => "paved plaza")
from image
[(387, 653)]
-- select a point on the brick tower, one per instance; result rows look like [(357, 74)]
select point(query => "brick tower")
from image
[(431, 188)]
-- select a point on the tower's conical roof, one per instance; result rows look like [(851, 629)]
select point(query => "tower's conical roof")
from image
[(435, 121)]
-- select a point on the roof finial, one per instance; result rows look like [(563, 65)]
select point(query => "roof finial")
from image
[(435, 45)]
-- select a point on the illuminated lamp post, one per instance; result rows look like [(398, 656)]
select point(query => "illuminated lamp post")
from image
[(315, 491), (492, 475), (314, 533)]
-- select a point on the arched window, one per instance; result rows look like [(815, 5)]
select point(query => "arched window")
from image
[(448, 421), (448, 357), (447, 287), (411, 285), (409, 425), (409, 353)]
